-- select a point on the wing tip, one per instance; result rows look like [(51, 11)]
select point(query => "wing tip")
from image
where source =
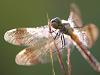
[(7, 35), (94, 34), (19, 59), (75, 8), (27, 57)]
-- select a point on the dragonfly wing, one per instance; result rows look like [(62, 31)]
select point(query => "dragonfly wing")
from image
[(32, 56), (87, 34), (91, 31), (81, 36), (27, 36), (75, 15)]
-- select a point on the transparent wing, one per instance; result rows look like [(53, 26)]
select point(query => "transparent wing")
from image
[(31, 55), (91, 32), (87, 34), (27, 36), (75, 15)]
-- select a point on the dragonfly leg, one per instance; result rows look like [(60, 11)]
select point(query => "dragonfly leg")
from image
[(57, 34), (68, 61), (60, 59), (63, 40), (51, 56)]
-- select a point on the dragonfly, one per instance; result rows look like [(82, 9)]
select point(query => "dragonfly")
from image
[(58, 36)]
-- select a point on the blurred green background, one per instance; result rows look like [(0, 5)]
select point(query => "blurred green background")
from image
[(32, 13)]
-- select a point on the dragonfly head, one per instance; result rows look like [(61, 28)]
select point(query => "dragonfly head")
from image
[(56, 23)]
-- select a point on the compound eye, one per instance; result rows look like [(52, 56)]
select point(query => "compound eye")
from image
[(56, 22)]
